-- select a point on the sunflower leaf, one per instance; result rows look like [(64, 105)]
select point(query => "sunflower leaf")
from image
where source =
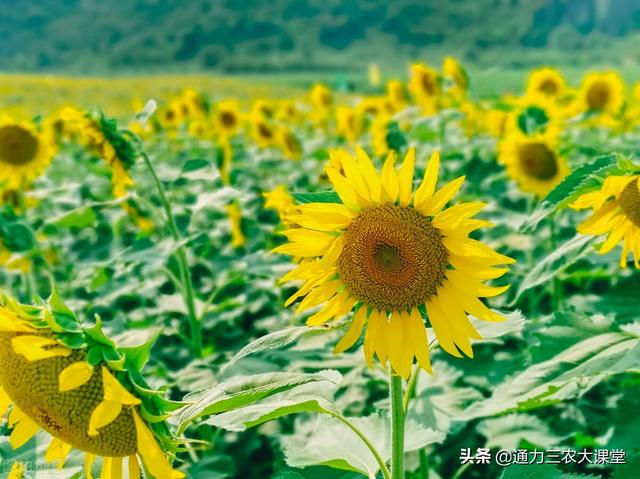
[(321, 197)]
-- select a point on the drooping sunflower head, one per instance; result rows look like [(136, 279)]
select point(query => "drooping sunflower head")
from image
[(75, 384), (546, 82), (533, 162), (262, 131), (288, 142), (452, 69), (424, 84), (616, 213), (395, 256), (602, 93), (24, 153), (396, 94)]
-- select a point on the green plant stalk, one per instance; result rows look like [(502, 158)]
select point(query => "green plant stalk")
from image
[(381, 464), (195, 325), (556, 293), (397, 427)]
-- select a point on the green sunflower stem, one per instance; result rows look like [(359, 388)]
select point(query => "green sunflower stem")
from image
[(397, 427), (556, 293), (195, 325)]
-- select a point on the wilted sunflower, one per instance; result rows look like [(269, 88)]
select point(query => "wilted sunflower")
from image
[(77, 385), (547, 82), (533, 162), (424, 84), (394, 256), (602, 93), (616, 213), (24, 153)]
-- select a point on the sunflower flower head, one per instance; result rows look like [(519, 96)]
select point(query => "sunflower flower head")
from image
[(602, 93), (24, 153), (74, 383), (424, 84), (395, 256), (533, 161), (546, 82), (227, 118), (616, 214)]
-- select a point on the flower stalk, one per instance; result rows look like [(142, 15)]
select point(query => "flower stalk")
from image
[(397, 427)]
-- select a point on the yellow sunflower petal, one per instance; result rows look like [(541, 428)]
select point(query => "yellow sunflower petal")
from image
[(58, 450), (342, 187), (88, 464), (24, 428), (441, 197), (452, 217), (323, 292), (337, 307), (354, 331), (107, 467), (405, 177), (104, 414), (32, 347), (5, 401), (355, 179), (114, 391), (134, 467), (417, 335), (428, 185), (443, 332), (305, 243), (473, 286), (74, 376), (152, 456), (615, 237), (370, 175), (10, 322), (390, 186)]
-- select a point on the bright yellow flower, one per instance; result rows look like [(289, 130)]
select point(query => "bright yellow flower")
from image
[(288, 143), (262, 131), (238, 239), (349, 123), (46, 384), (424, 84), (396, 95), (227, 117), (533, 162), (602, 93), (280, 200), (547, 82), (496, 122), (391, 254), (616, 213), (24, 153)]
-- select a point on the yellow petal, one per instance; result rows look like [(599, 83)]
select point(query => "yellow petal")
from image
[(390, 186), (475, 307), (354, 331), (405, 177), (473, 286), (343, 188), (11, 322), (107, 465), (74, 376), (58, 450), (5, 401), (438, 320), (356, 180), (337, 307), (88, 464), (614, 238), (370, 175), (428, 185), (134, 467), (114, 391), (32, 347), (24, 428), (417, 333), (104, 414), (305, 243), (441, 197), (152, 456), (451, 217)]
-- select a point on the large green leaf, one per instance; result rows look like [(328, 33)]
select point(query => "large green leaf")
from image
[(331, 443), (243, 391), (566, 375), (507, 432), (556, 262)]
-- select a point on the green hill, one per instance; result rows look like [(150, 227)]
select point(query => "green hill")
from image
[(263, 35)]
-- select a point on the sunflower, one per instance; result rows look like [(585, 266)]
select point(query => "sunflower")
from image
[(103, 136), (262, 131), (288, 142), (616, 213), (458, 78), (227, 118), (238, 239), (321, 101), (171, 116), (533, 161), (24, 153), (396, 95), (535, 114), (394, 256), (349, 123), (602, 93), (76, 385), (546, 82), (280, 200), (425, 87)]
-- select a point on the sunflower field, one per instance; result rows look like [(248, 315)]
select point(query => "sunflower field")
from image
[(402, 280)]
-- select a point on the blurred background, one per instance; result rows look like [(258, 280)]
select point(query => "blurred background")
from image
[(291, 40)]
